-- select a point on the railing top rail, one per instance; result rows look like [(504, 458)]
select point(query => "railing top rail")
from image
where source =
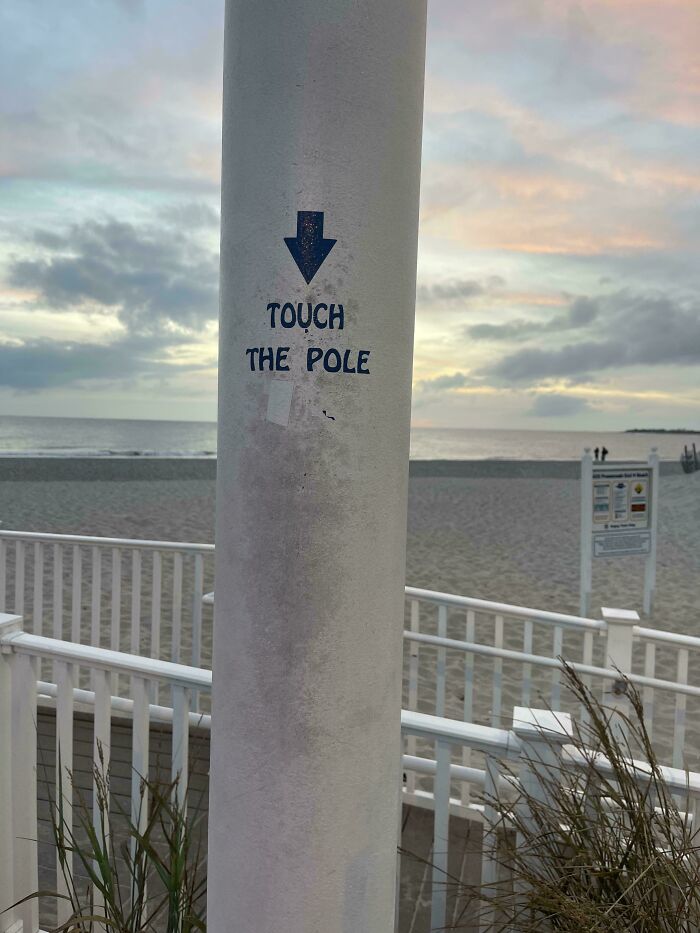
[(105, 659), (504, 609), (669, 638), (675, 778), (106, 542), (485, 605), (483, 738), (523, 657)]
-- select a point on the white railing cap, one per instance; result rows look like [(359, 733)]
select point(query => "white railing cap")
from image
[(9, 618), (624, 616), (542, 723), (10, 625)]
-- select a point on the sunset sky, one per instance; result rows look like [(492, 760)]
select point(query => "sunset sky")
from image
[(559, 258)]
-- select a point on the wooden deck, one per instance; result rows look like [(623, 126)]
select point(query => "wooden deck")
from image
[(414, 902)]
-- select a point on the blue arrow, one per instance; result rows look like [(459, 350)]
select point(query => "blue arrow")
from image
[(308, 248)]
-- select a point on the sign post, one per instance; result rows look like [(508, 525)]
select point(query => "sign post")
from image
[(320, 184), (619, 513), (650, 568), (586, 531)]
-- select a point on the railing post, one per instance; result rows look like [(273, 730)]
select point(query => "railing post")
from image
[(441, 836), (618, 654), (8, 919), (24, 789), (542, 734)]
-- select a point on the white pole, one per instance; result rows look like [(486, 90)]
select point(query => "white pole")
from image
[(650, 565), (586, 531), (321, 163)]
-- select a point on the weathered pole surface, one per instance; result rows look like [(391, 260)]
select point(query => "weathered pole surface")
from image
[(321, 164)]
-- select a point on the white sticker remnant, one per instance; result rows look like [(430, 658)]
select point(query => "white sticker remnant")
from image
[(279, 401)]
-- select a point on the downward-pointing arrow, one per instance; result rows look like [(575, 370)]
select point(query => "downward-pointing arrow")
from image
[(309, 248)]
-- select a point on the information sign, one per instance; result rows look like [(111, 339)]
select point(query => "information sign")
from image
[(618, 518), (621, 499)]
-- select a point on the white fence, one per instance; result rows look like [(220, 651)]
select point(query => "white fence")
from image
[(21, 656), (142, 597), (466, 658), (484, 658), (449, 786), (22, 652)]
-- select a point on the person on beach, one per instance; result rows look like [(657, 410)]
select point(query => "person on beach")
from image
[(603, 454), (597, 452)]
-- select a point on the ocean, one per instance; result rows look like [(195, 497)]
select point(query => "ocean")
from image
[(97, 437)]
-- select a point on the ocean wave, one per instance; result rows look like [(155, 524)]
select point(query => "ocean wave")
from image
[(66, 453)]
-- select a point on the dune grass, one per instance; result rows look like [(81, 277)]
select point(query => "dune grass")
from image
[(127, 875), (596, 849)]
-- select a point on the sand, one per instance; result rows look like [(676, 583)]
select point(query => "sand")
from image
[(511, 537)]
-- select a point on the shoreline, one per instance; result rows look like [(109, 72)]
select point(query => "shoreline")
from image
[(123, 469)]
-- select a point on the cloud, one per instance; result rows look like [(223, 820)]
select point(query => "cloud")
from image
[(131, 6), (549, 158), (440, 383), (428, 391), (158, 281), (147, 276), (48, 364), (119, 95), (457, 289), (630, 330), (581, 312), (533, 365), (191, 215), (553, 405)]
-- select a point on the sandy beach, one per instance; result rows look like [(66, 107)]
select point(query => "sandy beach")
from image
[(511, 537), (498, 530)]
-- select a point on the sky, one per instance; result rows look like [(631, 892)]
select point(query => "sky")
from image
[(559, 258)]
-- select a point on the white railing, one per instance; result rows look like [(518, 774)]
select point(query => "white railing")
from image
[(471, 659), (447, 785), (22, 652), (144, 597), (466, 658)]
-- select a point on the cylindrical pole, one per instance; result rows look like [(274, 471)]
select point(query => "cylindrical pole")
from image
[(321, 163)]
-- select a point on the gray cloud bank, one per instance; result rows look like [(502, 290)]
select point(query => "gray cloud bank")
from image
[(49, 364), (146, 276), (159, 282), (581, 312), (553, 405), (457, 290), (617, 331)]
